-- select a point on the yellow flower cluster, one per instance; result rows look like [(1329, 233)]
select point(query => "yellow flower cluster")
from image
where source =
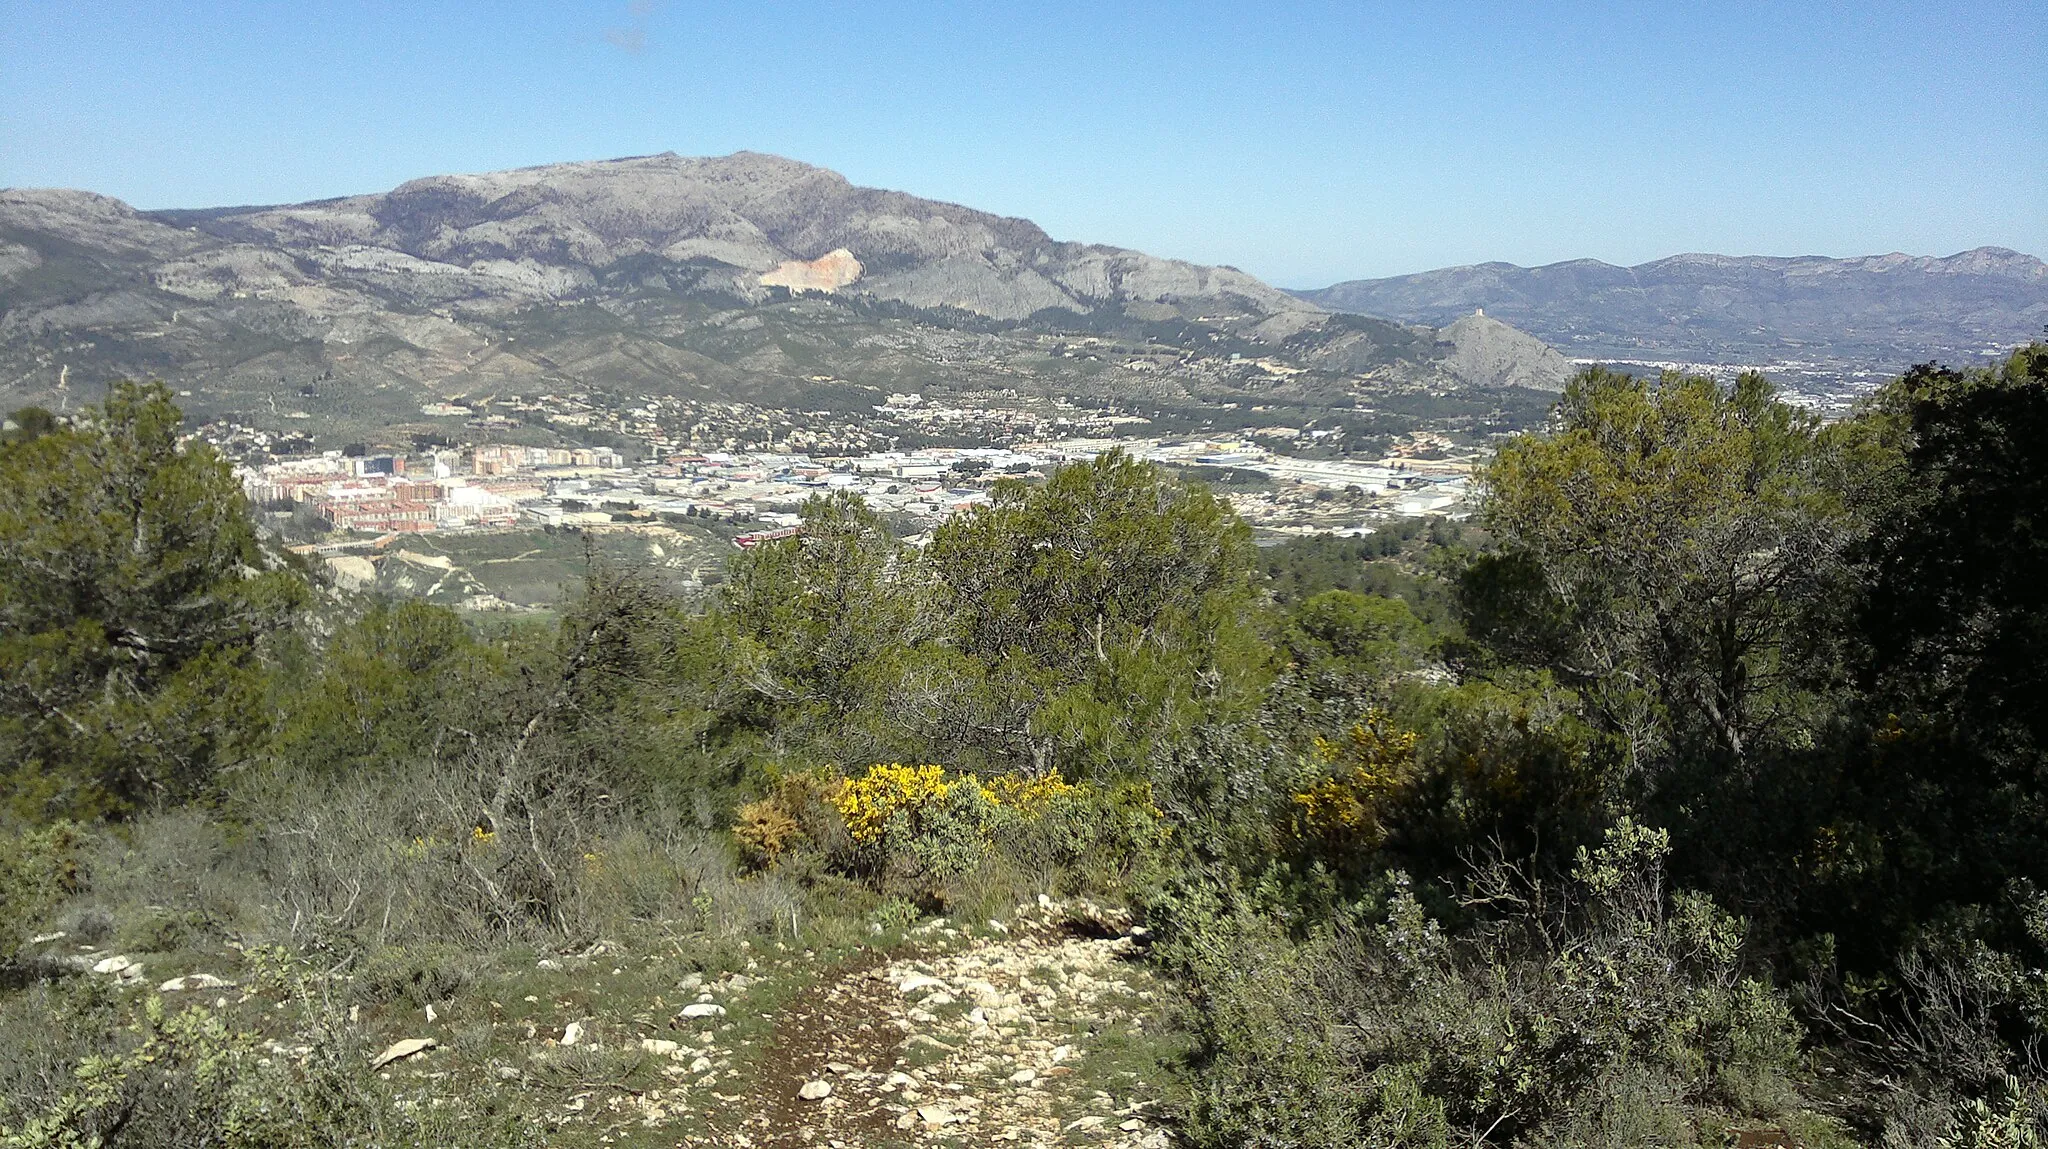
[(867, 802), (1370, 768), (1372, 744), (1030, 797)]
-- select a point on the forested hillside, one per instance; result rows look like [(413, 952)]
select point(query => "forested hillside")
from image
[(1692, 793)]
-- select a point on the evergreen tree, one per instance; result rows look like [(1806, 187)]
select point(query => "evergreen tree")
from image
[(133, 592), (1673, 550)]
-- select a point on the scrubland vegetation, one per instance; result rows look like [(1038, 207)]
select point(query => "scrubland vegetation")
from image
[(1692, 794)]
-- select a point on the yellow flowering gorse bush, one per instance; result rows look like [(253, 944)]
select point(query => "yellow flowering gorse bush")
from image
[(869, 801), (1030, 797), (1369, 769), (900, 819)]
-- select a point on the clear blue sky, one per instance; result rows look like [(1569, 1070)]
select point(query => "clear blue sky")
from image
[(1304, 142)]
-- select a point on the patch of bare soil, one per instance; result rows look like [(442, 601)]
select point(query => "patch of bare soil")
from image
[(834, 1034), (989, 1043)]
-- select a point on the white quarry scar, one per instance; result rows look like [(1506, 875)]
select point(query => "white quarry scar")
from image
[(829, 272)]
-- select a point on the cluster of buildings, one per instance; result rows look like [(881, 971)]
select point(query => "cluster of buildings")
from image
[(393, 493), (672, 424), (1000, 416), (501, 460), (494, 486)]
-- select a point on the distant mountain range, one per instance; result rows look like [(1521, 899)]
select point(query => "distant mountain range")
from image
[(743, 277), (1884, 311), (760, 280)]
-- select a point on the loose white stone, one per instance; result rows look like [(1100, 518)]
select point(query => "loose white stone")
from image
[(195, 981), (399, 1050)]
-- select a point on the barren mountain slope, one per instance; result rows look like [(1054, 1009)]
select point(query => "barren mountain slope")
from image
[(743, 277), (727, 220)]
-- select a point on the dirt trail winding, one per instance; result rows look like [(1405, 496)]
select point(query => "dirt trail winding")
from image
[(994, 1042)]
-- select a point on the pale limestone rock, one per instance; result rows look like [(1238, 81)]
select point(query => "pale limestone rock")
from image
[(400, 1050), (827, 273), (197, 981)]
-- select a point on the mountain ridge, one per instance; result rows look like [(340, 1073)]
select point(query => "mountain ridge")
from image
[(745, 277), (748, 210), (1887, 310)]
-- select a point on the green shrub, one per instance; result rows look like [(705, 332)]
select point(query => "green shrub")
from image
[(164, 931), (38, 869), (417, 976), (931, 835), (1603, 1013), (896, 913), (125, 1073), (2017, 1120)]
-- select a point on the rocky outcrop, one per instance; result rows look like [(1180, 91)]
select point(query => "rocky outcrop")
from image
[(973, 1040), (400, 1050), (828, 273)]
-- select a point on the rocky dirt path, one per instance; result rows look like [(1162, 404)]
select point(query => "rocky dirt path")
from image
[(999, 1040)]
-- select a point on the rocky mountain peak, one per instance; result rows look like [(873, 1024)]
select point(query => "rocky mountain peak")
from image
[(1487, 352), (643, 273)]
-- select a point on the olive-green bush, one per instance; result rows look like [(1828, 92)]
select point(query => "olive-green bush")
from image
[(1603, 1012), (114, 1069)]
